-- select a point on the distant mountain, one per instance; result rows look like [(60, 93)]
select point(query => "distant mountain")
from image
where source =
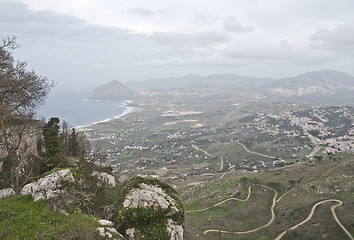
[(194, 81), (113, 90), (320, 82), (326, 86)]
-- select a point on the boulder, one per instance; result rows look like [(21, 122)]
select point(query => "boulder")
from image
[(150, 196), (106, 178), (7, 192), (175, 230), (50, 186), (150, 209), (107, 231), (106, 223)]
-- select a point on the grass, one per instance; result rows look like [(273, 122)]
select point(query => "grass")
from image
[(204, 201), (37, 221), (218, 211), (328, 175)]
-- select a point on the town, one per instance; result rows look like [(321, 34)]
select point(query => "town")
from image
[(175, 138)]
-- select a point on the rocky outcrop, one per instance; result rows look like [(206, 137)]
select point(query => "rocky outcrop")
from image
[(7, 192), (151, 209), (107, 230), (49, 187), (105, 178), (175, 230), (30, 134), (148, 196), (113, 90)]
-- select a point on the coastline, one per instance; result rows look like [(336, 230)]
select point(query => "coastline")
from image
[(128, 109)]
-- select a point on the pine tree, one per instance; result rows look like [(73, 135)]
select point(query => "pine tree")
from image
[(54, 151)]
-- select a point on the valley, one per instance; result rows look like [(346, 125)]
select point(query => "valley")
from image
[(174, 134), (246, 164)]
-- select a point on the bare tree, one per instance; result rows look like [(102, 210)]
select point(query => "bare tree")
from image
[(100, 155), (21, 93)]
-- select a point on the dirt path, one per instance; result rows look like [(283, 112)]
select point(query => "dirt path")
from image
[(256, 153), (252, 230), (210, 155), (275, 200), (229, 199), (311, 214)]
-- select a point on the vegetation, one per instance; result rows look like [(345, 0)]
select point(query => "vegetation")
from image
[(53, 156), (22, 218), (21, 92), (299, 187), (148, 222)]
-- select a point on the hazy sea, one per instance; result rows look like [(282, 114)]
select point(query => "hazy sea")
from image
[(73, 108)]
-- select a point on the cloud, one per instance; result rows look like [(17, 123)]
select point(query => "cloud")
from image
[(206, 19), (338, 39), (47, 24), (144, 12), (185, 40), (68, 49), (67, 45), (284, 51), (212, 60), (232, 25)]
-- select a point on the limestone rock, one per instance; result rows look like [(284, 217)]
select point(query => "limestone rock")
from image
[(105, 178), (107, 231), (7, 192), (130, 233), (149, 199), (150, 196), (49, 186), (104, 222), (174, 230)]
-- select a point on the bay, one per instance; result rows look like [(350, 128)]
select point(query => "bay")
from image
[(73, 108)]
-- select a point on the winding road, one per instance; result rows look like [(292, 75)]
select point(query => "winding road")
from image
[(210, 155), (256, 153), (275, 200), (256, 229), (229, 199), (311, 214)]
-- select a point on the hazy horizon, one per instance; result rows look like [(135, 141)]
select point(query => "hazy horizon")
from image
[(84, 44)]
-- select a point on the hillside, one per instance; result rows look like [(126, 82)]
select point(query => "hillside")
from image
[(247, 166), (240, 205), (113, 90), (326, 86)]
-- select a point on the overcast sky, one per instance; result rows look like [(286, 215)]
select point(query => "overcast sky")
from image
[(90, 42)]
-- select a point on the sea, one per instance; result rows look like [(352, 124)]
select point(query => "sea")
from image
[(74, 108)]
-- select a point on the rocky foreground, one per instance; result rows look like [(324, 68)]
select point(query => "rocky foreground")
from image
[(148, 208)]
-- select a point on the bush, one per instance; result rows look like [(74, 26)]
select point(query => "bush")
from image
[(275, 185)]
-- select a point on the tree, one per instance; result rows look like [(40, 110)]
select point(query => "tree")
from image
[(21, 93), (100, 155), (54, 151), (74, 148), (244, 180), (75, 144)]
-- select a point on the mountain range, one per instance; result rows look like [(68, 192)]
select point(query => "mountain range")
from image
[(326, 86), (329, 86)]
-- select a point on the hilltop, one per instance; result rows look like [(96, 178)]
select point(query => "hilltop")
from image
[(113, 90), (328, 86)]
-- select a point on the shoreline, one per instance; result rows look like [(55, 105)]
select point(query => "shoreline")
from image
[(127, 110)]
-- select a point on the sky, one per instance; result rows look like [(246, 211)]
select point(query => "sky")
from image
[(85, 43)]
